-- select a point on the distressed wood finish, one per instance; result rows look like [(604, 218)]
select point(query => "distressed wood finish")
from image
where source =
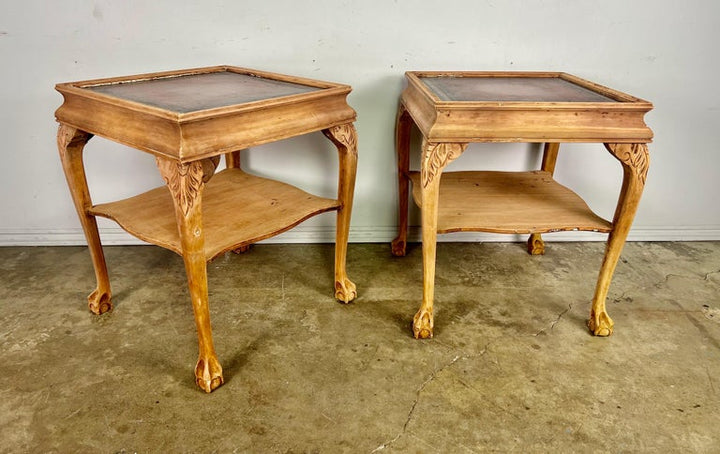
[(635, 160), (269, 207), (435, 157), (535, 244), (189, 119), (185, 183), (403, 125), (508, 202), (550, 154), (452, 109), (188, 136), (345, 139), (232, 160), (618, 121), (71, 142)]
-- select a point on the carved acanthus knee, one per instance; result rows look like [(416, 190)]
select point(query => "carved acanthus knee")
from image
[(436, 156), (185, 180), (69, 137), (344, 137), (633, 156)]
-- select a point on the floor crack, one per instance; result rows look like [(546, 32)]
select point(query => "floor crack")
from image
[(282, 289), (420, 390), (555, 322), (664, 280), (456, 358), (706, 277), (710, 380)]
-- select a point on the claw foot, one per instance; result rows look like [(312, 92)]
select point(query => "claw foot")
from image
[(600, 324), (398, 247), (423, 324), (535, 244), (345, 290), (99, 302), (208, 374)]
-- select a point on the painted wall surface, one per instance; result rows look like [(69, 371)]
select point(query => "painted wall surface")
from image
[(660, 50)]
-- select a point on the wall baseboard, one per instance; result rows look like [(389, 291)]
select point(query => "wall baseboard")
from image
[(300, 234)]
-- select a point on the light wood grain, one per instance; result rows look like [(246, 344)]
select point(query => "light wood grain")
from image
[(452, 113), (71, 142), (535, 243), (232, 160), (508, 202), (517, 121), (238, 209), (345, 139), (203, 133), (426, 183), (550, 155), (188, 119), (403, 124), (185, 183), (635, 160)]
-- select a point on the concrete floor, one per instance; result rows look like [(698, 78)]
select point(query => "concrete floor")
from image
[(511, 368)]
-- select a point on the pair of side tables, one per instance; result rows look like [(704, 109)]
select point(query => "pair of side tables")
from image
[(188, 119)]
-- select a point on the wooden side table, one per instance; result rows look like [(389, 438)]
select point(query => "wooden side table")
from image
[(452, 109), (188, 119)]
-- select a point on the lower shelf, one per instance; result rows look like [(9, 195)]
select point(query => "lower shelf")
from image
[(509, 202), (238, 209)]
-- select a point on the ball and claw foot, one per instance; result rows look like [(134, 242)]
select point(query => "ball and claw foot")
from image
[(208, 374), (398, 247), (600, 324), (345, 290), (535, 244), (99, 302), (423, 324)]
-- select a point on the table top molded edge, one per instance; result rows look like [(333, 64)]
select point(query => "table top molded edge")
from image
[(205, 133), (624, 101), (77, 89)]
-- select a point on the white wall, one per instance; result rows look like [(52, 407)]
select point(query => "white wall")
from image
[(660, 50)]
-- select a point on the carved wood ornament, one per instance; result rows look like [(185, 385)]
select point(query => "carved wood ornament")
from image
[(634, 155), (188, 149), (67, 135), (449, 115), (71, 142), (436, 157), (185, 180), (343, 135)]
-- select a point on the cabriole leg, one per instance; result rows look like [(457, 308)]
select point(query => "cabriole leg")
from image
[(186, 182), (535, 244), (403, 126), (232, 161), (345, 139), (71, 142), (435, 158), (635, 161), (423, 321)]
